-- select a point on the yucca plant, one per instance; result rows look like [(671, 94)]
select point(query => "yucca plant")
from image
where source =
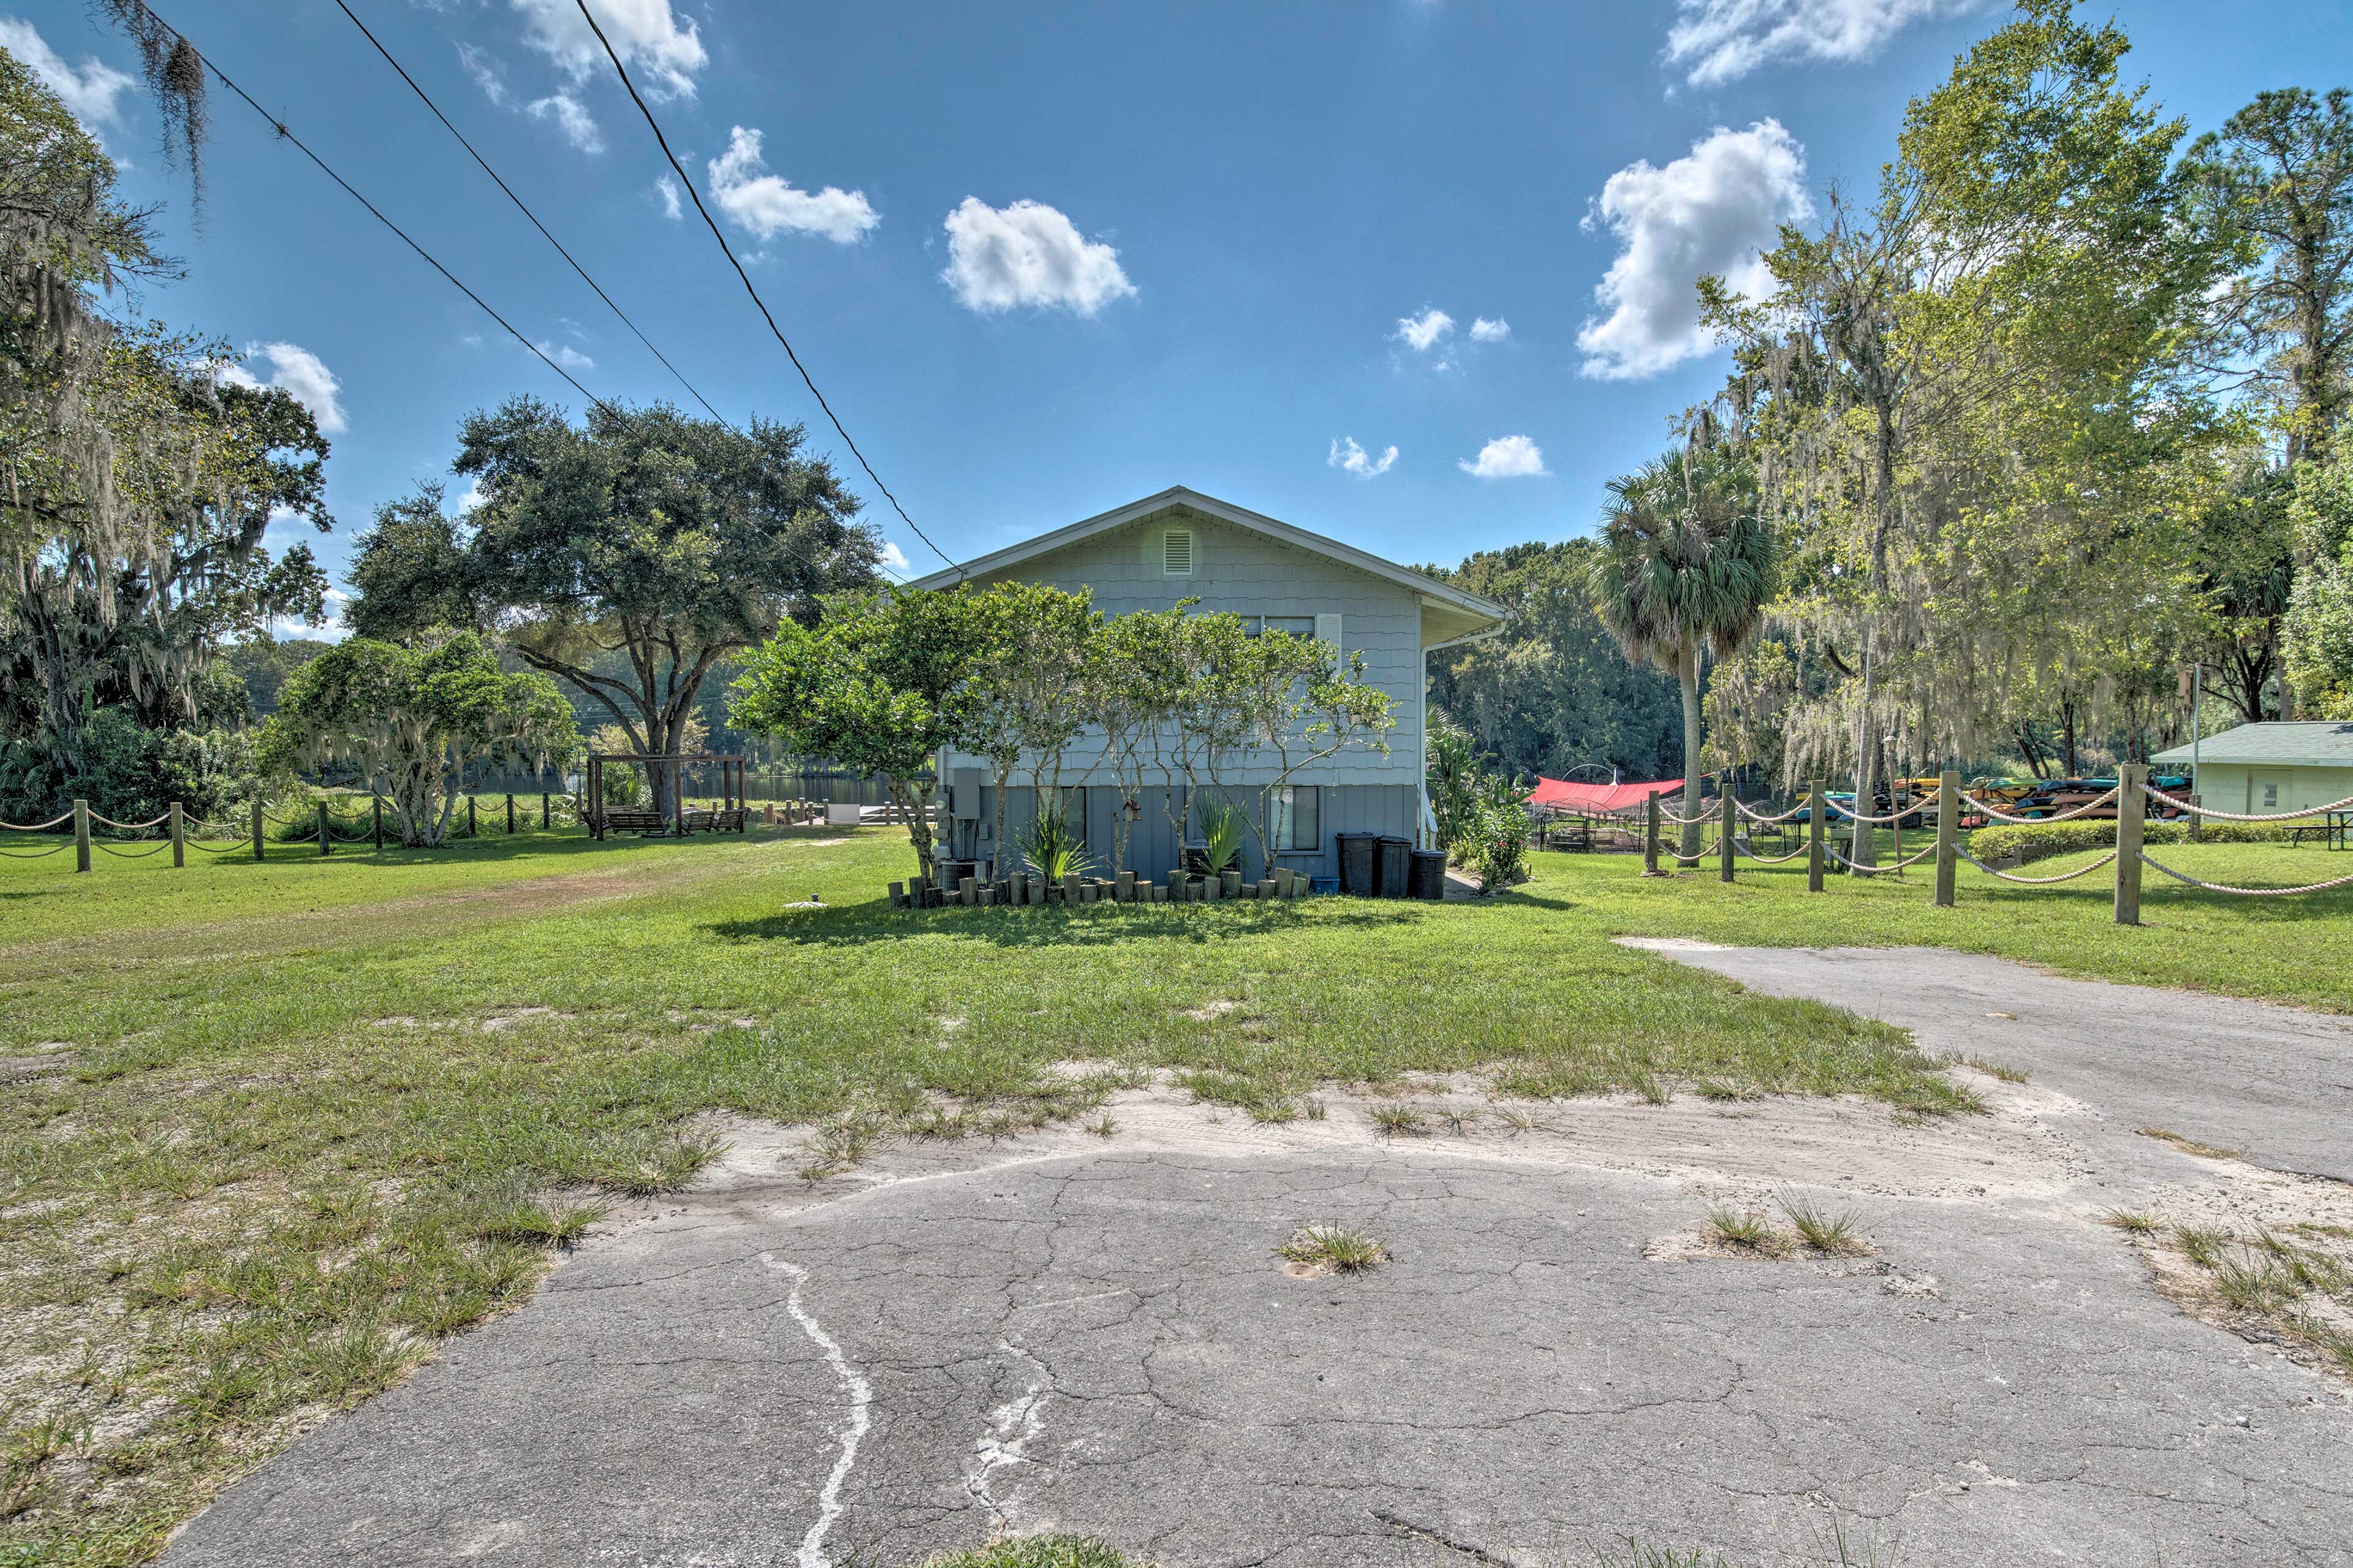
[(1222, 830), (1055, 849)]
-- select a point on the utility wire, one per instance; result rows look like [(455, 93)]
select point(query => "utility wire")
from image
[(727, 250), (299, 145), (524, 208), (287, 135), (526, 211)]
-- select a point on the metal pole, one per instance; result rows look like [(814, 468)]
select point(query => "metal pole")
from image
[(179, 836), (1724, 845), (1814, 813), (1948, 816), (82, 836), (1651, 835), (2131, 808)]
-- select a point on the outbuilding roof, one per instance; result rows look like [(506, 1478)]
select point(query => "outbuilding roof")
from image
[(1470, 612), (2291, 743)]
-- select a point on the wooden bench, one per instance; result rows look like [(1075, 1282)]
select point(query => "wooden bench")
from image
[(646, 824), (726, 821)]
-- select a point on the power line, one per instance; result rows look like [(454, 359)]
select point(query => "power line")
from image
[(727, 250), (525, 210), (524, 207), (286, 134)]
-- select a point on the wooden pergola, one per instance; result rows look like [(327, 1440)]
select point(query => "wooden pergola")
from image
[(731, 785)]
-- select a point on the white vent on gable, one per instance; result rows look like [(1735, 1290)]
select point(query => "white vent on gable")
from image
[(1176, 553)]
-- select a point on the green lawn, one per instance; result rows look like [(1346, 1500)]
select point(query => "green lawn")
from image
[(314, 1114)]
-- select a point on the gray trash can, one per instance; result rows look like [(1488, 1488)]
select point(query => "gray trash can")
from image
[(1395, 855), (1428, 875), (1359, 866)]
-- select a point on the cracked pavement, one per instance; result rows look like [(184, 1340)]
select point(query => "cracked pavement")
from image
[(1097, 1336)]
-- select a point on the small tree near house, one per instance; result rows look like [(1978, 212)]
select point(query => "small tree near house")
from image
[(1028, 691), (879, 684)]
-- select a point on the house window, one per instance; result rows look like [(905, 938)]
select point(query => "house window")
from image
[(1176, 553), (2271, 797), (1294, 626), (1074, 810), (1298, 813)]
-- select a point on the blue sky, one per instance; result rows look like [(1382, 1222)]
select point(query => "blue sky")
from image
[(1044, 261)]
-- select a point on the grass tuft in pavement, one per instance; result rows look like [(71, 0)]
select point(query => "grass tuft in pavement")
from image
[(1037, 1551), (1334, 1246)]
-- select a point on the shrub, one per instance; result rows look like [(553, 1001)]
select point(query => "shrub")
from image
[(1499, 836), (1223, 829), (1054, 848), (132, 773), (2038, 841)]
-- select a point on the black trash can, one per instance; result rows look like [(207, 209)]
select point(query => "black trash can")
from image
[(1359, 865), (1427, 875), (1395, 855)]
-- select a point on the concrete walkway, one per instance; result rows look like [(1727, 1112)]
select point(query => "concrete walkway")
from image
[(1096, 1335), (2274, 1081)]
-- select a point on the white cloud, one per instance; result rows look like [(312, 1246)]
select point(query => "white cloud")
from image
[(1707, 212), (1484, 331), (769, 205), (296, 372), (568, 357), (895, 559), (1717, 41), (1028, 254), (664, 52), (578, 125), (1506, 457), (473, 495), (490, 73), (1348, 456), (90, 90), (1419, 332), (666, 192)]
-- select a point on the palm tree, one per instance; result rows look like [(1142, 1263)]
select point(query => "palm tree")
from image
[(1687, 565)]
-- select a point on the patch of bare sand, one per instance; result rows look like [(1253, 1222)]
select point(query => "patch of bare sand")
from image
[(1850, 1145)]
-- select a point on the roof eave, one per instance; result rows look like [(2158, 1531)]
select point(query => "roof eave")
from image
[(1226, 511)]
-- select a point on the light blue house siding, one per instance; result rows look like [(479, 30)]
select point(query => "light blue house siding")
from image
[(1182, 545)]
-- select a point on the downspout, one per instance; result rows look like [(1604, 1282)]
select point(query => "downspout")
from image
[(1427, 828)]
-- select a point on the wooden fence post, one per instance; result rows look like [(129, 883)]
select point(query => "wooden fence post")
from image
[(377, 802), (1651, 835), (257, 830), (1948, 818), (547, 813), (473, 826), (2132, 807), (1729, 804), (510, 817), (82, 836), (1814, 812), (179, 836), (326, 834)]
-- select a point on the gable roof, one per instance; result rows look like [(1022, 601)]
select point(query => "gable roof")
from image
[(2306, 743), (1482, 612)]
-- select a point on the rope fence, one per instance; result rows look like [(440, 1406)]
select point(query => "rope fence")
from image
[(90, 832), (2128, 804)]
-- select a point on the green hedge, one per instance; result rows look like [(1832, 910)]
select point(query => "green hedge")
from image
[(2040, 840)]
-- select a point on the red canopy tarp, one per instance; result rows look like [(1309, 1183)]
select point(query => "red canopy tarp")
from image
[(1561, 795)]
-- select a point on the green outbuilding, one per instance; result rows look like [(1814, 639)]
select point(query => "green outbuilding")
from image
[(2290, 766)]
